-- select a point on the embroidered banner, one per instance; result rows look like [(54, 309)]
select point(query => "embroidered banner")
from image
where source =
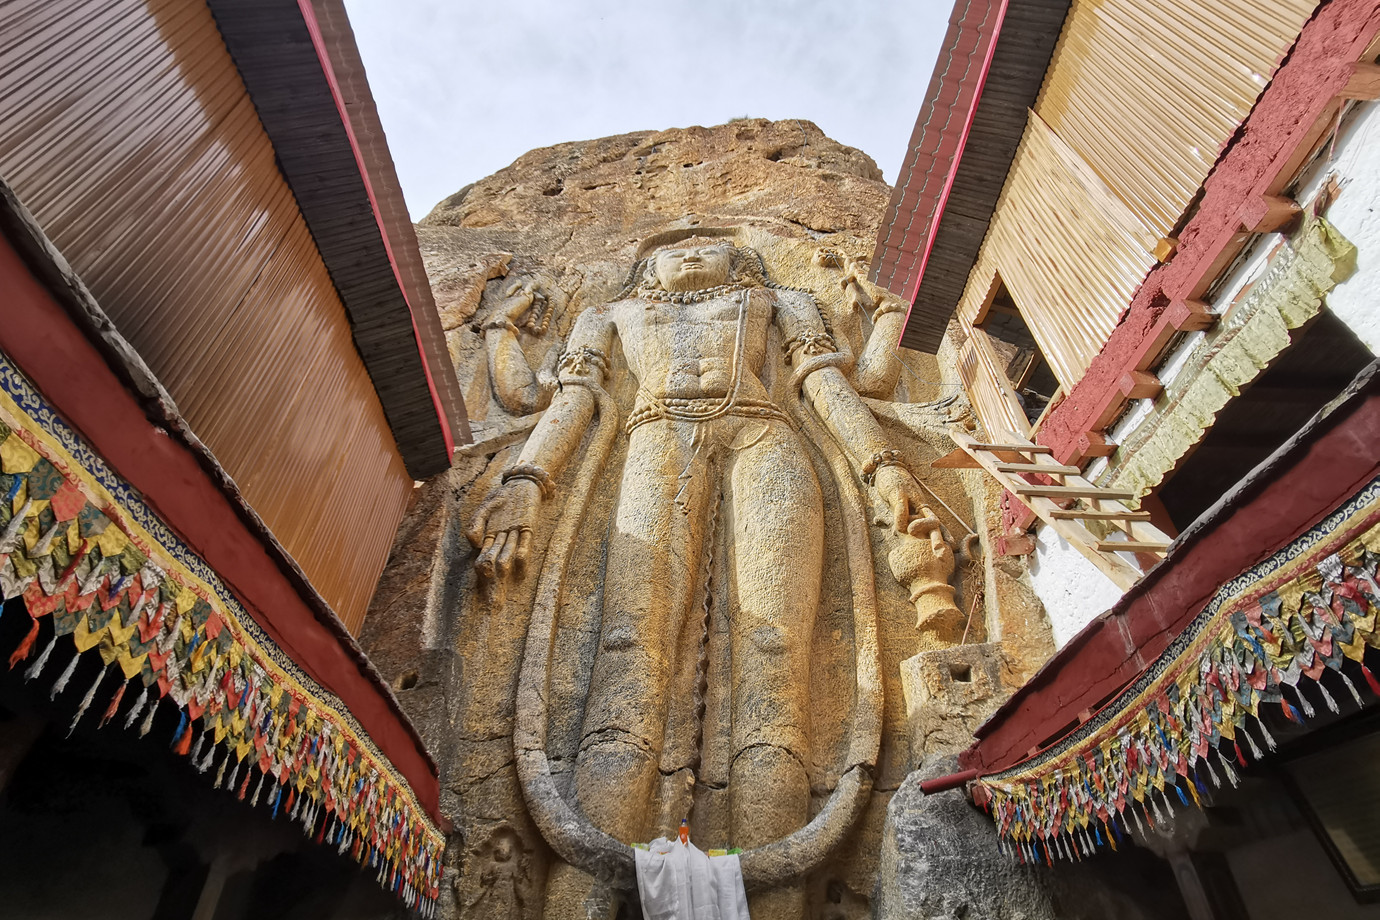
[(81, 548), (1308, 609)]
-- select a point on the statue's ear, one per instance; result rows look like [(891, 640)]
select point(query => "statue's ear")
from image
[(647, 272)]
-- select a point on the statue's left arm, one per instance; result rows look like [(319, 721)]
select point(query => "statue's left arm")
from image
[(817, 368)]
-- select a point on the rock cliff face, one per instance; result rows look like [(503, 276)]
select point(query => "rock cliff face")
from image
[(483, 653), (578, 205)]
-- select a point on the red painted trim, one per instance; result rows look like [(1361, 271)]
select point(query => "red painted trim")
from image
[(983, 69), (73, 376), (1118, 646), (319, 42), (1316, 69), (943, 98)]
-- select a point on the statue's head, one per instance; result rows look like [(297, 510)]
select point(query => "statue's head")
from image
[(692, 268), (697, 264)]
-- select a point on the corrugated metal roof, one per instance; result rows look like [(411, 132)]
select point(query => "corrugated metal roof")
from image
[(127, 132), (273, 47), (1147, 96), (1069, 268)]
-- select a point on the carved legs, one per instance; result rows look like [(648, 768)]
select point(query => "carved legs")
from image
[(777, 552), (652, 589), (653, 566)]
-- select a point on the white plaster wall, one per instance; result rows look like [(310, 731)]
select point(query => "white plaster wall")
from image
[(1355, 163), (1072, 589)]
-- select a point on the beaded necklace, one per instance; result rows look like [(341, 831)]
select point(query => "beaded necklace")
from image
[(658, 295)]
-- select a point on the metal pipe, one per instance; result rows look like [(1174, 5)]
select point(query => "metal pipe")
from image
[(945, 783)]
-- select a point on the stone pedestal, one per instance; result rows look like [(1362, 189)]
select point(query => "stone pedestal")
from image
[(948, 694)]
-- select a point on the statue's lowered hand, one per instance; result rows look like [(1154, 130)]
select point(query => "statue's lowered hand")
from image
[(502, 528), (902, 494)]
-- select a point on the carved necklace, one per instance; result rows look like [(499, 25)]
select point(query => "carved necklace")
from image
[(663, 296)]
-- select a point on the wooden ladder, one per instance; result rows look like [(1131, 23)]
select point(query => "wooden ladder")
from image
[(1009, 462)]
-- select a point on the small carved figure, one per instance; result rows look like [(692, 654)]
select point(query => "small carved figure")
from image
[(527, 309), (503, 880), (878, 367)]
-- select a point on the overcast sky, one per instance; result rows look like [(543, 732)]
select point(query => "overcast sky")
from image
[(466, 87)]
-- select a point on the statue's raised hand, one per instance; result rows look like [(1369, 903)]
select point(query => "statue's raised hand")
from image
[(902, 494), (520, 297), (502, 527)]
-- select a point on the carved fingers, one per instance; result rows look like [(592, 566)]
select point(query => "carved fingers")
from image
[(521, 295), (502, 529), (504, 552), (902, 494)]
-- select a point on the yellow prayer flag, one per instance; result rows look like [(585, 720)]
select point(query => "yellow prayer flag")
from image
[(16, 456)]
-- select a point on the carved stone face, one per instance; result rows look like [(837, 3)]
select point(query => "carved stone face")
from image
[(692, 269)]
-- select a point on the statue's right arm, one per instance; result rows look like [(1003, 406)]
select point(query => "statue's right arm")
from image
[(502, 527), (515, 385), (584, 365)]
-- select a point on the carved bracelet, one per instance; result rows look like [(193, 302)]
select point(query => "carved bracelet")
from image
[(532, 473), (579, 360), (878, 460), (811, 343), (500, 323)]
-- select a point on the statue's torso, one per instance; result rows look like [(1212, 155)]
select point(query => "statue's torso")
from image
[(688, 350)]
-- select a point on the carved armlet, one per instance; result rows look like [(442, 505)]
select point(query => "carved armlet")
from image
[(878, 460), (888, 306), (580, 362), (532, 473)]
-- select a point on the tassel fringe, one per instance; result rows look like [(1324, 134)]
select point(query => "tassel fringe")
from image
[(147, 725), (37, 667), (114, 706), (64, 677), (26, 645), (86, 700), (137, 708)]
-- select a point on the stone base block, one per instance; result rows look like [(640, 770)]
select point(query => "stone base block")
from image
[(948, 694)]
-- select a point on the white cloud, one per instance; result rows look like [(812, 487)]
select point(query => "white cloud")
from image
[(465, 88)]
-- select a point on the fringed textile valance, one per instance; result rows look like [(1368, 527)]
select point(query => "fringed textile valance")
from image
[(1306, 610), (80, 547)]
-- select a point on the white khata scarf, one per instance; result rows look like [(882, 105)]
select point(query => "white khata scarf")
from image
[(678, 881)]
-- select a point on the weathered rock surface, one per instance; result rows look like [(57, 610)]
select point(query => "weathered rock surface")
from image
[(515, 258), (939, 861)]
